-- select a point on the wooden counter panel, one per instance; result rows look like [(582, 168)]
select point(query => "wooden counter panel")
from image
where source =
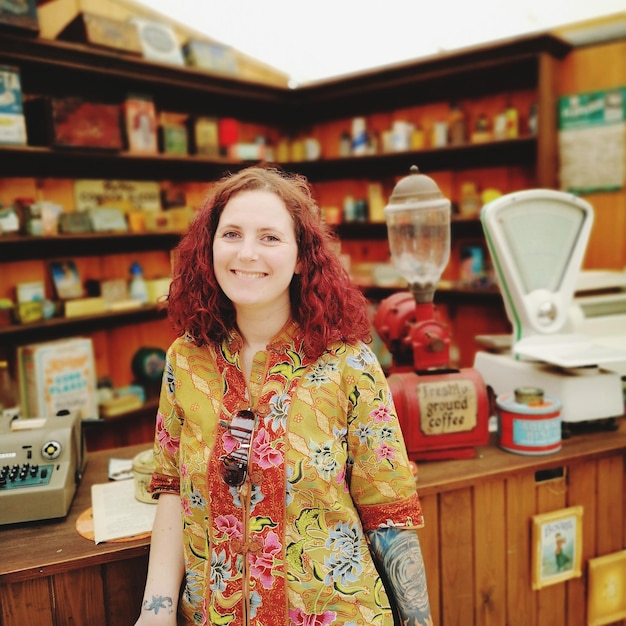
[(81, 594), (582, 479), (26, 602), (124, 583), (457, 556), (489, 538), (520, 505)]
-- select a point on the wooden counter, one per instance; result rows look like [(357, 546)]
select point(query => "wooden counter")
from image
[(476, 542), (477, 538)]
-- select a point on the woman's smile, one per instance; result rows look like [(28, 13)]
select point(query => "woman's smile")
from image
[(242, 274)]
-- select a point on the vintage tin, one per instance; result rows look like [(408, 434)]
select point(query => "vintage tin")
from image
[(143, 466), (529, 422), (103, 32)]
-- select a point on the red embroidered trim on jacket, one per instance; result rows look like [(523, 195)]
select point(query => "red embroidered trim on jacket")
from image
[(407, 513), (160, 483)]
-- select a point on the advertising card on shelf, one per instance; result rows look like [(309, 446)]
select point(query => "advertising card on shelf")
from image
[(592, 141)]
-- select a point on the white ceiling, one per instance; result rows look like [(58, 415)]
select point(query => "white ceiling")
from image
[(316, 39)]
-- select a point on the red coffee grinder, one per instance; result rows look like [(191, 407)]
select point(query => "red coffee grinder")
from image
[(443, 412)]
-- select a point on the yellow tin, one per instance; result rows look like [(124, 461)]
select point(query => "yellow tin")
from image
[(143, 466)]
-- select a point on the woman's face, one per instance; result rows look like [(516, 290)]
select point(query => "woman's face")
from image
[(255, 253)]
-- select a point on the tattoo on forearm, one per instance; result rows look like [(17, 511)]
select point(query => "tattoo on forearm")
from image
[(157, 603), (399, 553)]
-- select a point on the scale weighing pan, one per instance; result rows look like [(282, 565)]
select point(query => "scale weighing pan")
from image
[(537, 240)]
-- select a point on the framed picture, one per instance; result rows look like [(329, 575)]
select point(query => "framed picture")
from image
[(557, 546), (606, 598)]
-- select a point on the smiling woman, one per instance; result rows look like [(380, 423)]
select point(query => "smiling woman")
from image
[(285, 490)]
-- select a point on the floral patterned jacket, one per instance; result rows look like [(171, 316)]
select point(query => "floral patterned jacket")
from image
[(328, 464)]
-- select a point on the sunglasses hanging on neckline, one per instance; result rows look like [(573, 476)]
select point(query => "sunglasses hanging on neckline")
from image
[(235, 464)]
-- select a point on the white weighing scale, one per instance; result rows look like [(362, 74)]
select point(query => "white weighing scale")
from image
[(537, 240)]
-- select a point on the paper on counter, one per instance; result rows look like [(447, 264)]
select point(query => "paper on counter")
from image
[(117, 513), (120, 469)]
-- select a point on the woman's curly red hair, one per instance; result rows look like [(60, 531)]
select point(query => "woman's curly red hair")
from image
[(324, 300)]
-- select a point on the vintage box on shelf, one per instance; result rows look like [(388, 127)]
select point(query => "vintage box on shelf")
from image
[(173, 133), (29, 298), (173, 139), (228, 135), (140, 124), (73, 123), (84, 306), (12, 123), (104, 32), (204, 136), (108, 219), (74, 223), (210, 56), (171, 221), (58, 375), (158, 42), (20, 16)]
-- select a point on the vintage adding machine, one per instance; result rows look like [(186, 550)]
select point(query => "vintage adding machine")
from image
[(537, 240), (41, 465)]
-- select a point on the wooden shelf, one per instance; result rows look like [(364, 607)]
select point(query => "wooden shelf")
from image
[(460, 226), (475, 72), (57, 68), (21, 248), (129, 428), (149, 406), (63, 326), (49, 162), (443, 295), (508, 152)]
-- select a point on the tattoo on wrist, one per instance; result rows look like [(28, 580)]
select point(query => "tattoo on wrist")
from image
[(157, 603)]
